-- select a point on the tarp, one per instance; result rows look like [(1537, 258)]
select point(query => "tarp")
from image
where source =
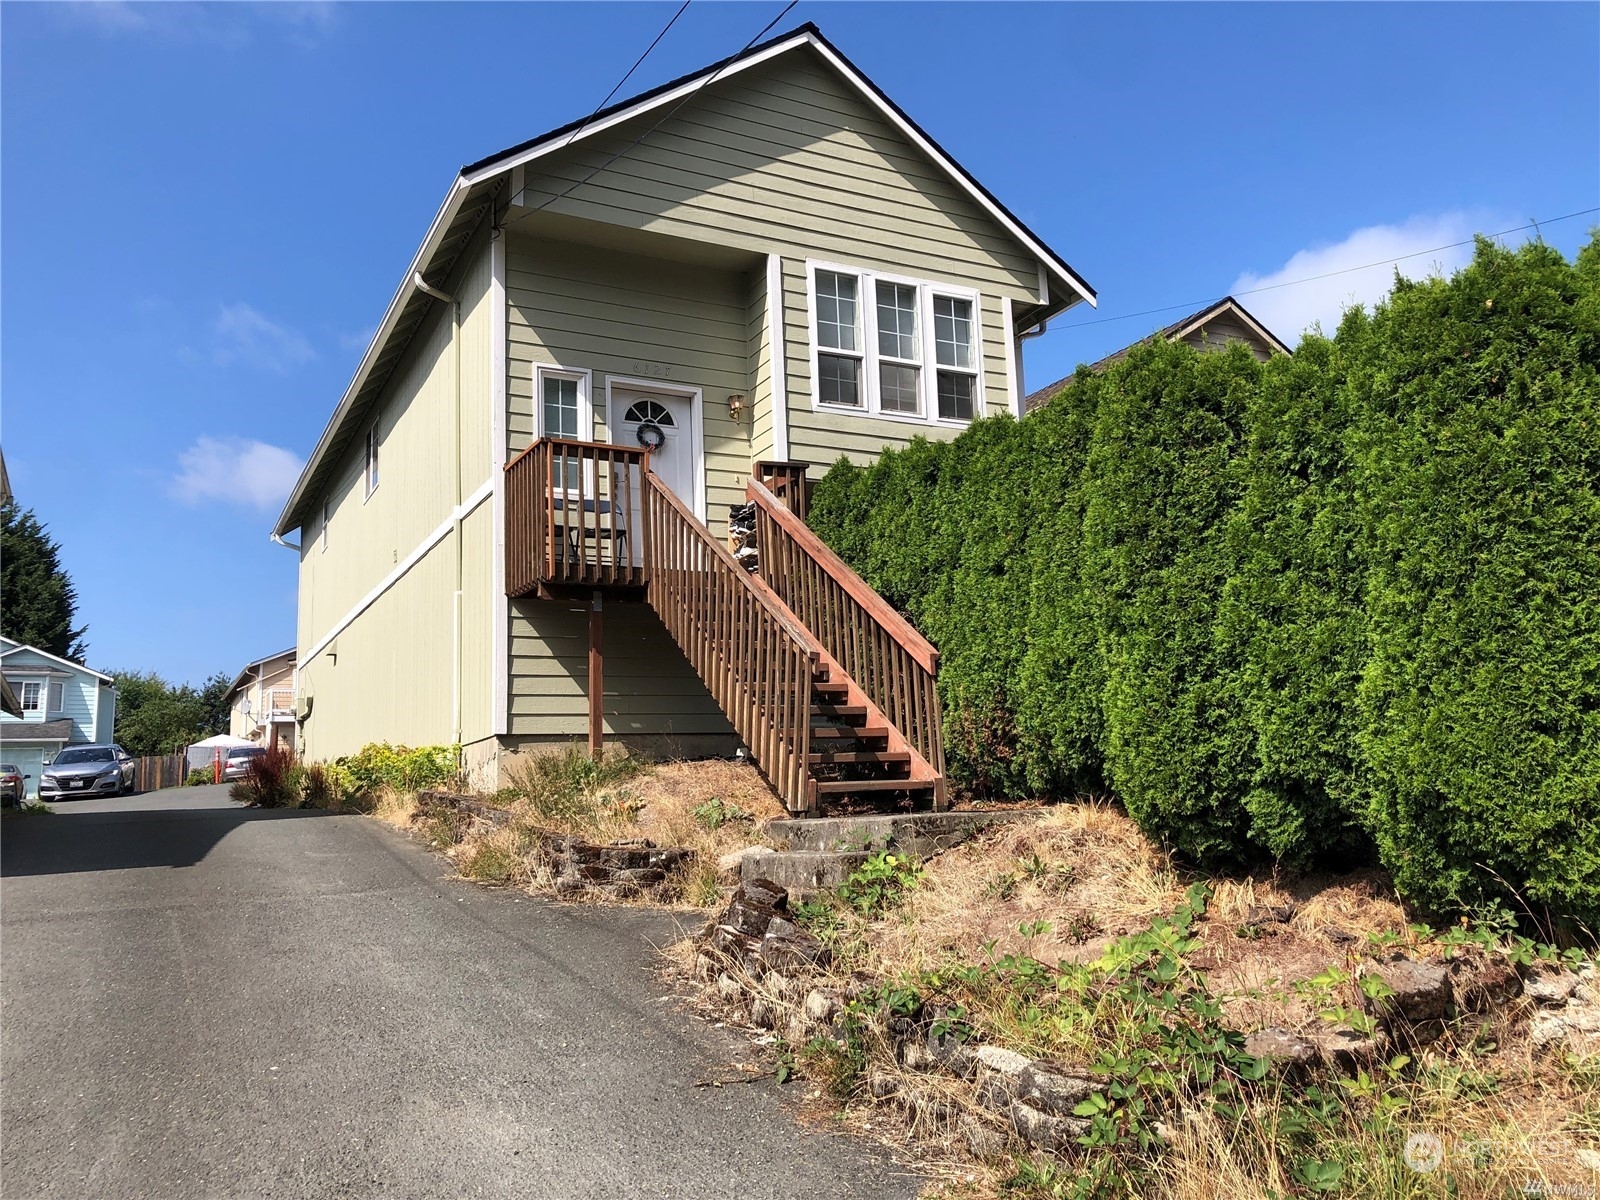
[(202, 754)]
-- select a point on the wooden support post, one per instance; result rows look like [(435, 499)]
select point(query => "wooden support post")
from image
[(597, 682)]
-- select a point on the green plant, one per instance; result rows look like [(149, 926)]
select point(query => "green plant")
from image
[(717, 812), (569, 787), (318, 787), (200, 776), (29, 808), (880, 884), (379, 764)]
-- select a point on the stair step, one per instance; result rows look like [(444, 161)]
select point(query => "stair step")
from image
[(840, 712), (860, 733), (885, 758), (844, 787), (824, 688)]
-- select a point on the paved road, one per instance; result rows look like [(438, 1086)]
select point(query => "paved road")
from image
[(206, 1001)]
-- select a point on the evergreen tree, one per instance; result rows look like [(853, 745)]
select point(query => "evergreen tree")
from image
[(37, 599)]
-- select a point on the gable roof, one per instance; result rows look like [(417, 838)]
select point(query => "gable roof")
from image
[(1180, 328), (14, 647), (473, 191), (244, 671)]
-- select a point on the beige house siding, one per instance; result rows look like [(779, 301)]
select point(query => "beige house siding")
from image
[(370, 537), (387, 676), (243, 723)]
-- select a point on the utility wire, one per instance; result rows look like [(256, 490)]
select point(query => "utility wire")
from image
[(707, 81), (1328, 274), (637, 62)]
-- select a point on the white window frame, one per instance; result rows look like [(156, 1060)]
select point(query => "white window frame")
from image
[(585, 380), (927, 365), (369, 471), (22, 696), (322, 534)]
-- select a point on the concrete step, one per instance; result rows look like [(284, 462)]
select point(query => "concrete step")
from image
[(916, 835), (804, 871)]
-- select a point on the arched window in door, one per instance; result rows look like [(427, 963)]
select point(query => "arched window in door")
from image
[(650, 411)]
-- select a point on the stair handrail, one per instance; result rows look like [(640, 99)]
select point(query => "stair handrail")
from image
[(892, 663), (756, 661)]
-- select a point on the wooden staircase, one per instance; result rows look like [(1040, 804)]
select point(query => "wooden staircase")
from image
[(830, 688)]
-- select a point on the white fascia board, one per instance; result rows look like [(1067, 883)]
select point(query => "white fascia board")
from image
[(425, 252), (561, 141), (688, 87), (68, 663), (777, 359)]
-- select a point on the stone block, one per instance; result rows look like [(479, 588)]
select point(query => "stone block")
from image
[(1053, 1090), (1046, 1131), (1280, 1046), (1550, 986), (1421, 989)]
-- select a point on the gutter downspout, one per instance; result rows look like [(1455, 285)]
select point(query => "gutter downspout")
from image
[(1038, 330)]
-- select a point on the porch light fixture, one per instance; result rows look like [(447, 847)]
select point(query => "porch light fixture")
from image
[(735, 405)]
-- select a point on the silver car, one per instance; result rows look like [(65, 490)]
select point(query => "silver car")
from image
[(88, 771)]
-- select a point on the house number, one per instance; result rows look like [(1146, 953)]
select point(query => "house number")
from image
[(654, 370)]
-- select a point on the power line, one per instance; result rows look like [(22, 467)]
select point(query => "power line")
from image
[(1329, 274), (636, 64), (709, 79)]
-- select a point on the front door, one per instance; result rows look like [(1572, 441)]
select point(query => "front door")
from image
[(662, 423)]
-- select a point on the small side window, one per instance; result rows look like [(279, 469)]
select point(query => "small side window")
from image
[(372, 459)]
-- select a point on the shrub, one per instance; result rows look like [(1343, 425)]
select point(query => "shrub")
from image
[(270, 781), (200, 776), (1478, 457), (378, 765), (1161, 480), (319, 789)]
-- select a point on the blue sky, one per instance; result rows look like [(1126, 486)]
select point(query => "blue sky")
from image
[(205, 209)]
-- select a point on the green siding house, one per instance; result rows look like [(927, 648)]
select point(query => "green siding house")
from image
[(746, 272)]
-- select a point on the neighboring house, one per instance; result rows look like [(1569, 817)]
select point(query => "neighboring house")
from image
[(1214, 327), (749, 271), (61, 703), (261, 701)]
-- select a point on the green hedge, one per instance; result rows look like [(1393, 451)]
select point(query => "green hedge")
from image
[(1335, 605)]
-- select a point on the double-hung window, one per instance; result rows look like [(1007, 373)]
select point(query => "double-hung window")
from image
[(955, 352), (563, 411), (895, 347), (839, 339), (31, 693)]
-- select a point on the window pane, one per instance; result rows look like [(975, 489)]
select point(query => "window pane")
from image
[(897, 320), (956, 395), (952, 331), (899, 388), (838, 380), (836, 311), (32, 696), (560, 407)]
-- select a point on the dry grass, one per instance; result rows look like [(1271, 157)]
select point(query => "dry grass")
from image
[(709, 807)]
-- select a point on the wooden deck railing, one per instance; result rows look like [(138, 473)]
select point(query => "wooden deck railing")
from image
[(572, 515), (756, 661), (893, 663), (786, 481)]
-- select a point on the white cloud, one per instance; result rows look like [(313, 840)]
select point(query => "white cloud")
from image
[(235, 470), (247, 336), (359, 340), (1288, 311)]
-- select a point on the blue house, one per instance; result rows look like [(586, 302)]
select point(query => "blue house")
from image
[(62, 704)]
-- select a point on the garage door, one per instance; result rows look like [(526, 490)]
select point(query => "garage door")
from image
[(30, 761)]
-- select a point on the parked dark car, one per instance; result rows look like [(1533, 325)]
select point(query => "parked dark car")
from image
[(237, 764), (12, 785), (88, 771)]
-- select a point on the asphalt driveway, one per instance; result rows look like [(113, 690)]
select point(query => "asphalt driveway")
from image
[(201, 1000)]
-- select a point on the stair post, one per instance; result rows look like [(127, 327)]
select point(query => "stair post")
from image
[(597, 683)]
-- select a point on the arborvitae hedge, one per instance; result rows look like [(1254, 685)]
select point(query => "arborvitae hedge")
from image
[(1335, 604)]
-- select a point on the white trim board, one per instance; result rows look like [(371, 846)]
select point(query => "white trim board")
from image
[(777, 359), (460, 513), (499, 605), (16, 647)]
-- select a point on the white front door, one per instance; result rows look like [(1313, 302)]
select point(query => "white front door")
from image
[(663, 423)]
